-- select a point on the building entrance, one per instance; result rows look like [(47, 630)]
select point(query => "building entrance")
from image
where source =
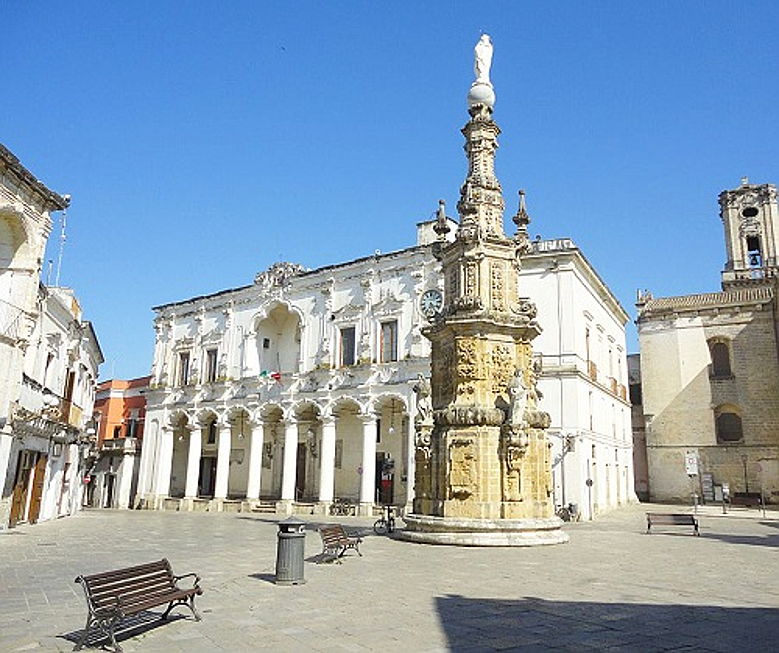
[(207, 479)]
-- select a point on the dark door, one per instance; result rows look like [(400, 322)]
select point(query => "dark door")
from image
[(109, 490), (385, 478), (300, 472), (37, 489), (19, 499), (207, 479)]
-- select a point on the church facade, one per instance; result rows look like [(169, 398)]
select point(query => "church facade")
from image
[(709, 367), (298, 389)]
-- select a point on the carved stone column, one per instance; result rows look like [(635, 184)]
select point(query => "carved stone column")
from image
[(223, 460), (327, 461), (255, 461), (162, 481), (193, 463), (482, 464), (368, 479), (289, 470)]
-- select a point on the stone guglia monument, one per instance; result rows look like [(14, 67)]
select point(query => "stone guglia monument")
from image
[(483, 467)]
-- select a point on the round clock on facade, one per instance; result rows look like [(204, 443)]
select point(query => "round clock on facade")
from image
[(431, 303)]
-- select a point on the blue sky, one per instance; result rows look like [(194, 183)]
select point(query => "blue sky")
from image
[(203, 141)]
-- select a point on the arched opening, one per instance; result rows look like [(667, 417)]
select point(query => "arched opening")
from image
[(307, 455), (178, 469), (392, 450), (278, 342), (240, 432), (720, 359), (348, 450), (272, 450), (728, 426)]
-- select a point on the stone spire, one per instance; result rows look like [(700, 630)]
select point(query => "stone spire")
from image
[(483, 473)]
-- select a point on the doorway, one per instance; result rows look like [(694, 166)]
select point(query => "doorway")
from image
[(207, 479), (300, 472), (37, 488), (110, 480), (385, 478), (24, 466)]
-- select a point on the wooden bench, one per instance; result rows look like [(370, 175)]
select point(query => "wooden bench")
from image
[(114, 595), (335, 542), (671, 519), (746, 499)]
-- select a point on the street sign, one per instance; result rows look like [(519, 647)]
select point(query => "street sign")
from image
[(691, 463)]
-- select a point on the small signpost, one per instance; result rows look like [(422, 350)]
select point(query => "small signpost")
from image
[(691, 467)]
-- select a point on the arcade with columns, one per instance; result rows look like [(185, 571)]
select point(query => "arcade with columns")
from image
[(289, 458)]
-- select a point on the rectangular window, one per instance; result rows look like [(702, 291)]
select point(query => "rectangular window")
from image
[(211, 436), (210, 365), (389, 341), (184, 368), (347, 346), (339, 453), (132, 427)]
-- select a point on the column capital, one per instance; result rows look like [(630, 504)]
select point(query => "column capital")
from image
[(370, 418)]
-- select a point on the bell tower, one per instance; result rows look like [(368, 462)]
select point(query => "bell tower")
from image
[(750, 217)]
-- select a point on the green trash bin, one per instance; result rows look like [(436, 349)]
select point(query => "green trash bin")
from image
[(290, 552)]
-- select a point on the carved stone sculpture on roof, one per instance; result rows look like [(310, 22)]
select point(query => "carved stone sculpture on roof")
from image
[(278, 275)]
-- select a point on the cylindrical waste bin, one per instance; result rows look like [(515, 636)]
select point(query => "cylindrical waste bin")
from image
[(290, 552)]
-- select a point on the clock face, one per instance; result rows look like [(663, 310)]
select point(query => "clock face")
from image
[(431, 303)]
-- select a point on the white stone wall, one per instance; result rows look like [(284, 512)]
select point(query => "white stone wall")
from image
[(302, 317)]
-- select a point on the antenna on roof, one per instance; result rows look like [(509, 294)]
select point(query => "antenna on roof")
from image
[(64, 224)]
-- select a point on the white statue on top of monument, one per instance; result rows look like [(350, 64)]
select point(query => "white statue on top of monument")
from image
[(483, 60)]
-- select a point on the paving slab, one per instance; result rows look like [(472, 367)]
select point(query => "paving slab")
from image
[(612, 587)]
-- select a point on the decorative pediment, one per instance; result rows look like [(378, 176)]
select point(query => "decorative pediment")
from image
[(348, 312), (389, 304), (278, 275)]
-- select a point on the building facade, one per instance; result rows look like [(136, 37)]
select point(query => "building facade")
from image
[(49, 358), (120, 414), (300, 388), (710, 366)]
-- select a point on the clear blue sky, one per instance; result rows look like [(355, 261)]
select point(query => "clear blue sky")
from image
[(203, 141)]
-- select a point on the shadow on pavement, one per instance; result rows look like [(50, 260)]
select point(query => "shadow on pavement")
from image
[(537, 624), (268, 578), (143, 622), (755, 540)]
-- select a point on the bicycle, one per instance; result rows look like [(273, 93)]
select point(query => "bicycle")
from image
[(385, 525), (342, 507), (568, 513)]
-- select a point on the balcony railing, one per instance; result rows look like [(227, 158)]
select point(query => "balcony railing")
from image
[(10, 320)]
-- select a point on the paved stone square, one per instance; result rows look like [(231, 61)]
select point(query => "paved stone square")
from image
[(611, 587)]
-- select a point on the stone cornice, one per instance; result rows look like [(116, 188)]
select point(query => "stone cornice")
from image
[(750, 296), (52, 200)]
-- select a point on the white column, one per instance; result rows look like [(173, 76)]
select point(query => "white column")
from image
[(223, 461), (255, 461), (165, 462), (290, 460), (368, 482), (193, 463), (411, 461), (327, 460)]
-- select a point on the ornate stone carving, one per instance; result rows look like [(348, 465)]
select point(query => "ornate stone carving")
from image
[(423, 391), (278, 275), (502, 368), (470, 415), (462, 468), (496, 287)]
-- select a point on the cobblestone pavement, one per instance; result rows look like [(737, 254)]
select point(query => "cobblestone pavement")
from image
[(611, 586)]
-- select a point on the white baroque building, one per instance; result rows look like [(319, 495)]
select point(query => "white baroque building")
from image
[(49, 358), (299, 388)]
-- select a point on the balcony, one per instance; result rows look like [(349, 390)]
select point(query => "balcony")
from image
[(11, 320)]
